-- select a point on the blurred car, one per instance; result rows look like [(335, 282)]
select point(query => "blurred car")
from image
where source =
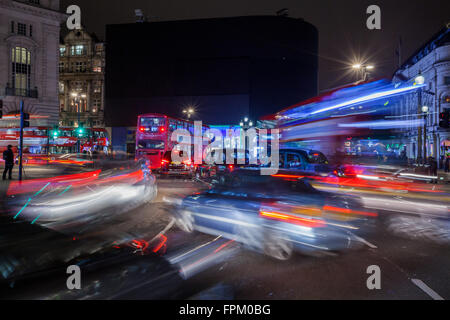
[(309, 162), (68, 200), (240, 159), (172, 167), (274, 215)]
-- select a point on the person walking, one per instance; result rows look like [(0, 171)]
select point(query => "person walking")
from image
[(8, 156)]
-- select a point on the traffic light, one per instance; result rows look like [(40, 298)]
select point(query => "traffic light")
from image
[(444, 119), (80, 131), (55, 132), (26, 120), (1, 109)]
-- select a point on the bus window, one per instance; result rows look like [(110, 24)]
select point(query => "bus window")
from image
[(152, 124), (172, 125), (151, 144)]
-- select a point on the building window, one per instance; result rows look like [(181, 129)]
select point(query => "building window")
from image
[(34, 1), (61, 67), (96, 105), (77, 50), (31, 30), (12, 26), (21, 68), (62, 51), (79, 66), (61, 87), (22, 29), (447, 80), (97, 87)]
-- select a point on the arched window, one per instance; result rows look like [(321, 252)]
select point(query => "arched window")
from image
[(21, 70)]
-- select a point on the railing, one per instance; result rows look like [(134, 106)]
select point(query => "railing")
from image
[(89, 70), (18, 92)]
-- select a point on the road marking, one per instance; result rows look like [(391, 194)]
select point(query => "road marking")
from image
[(427, 289), (176, 259), (167, 228), (367, 243)]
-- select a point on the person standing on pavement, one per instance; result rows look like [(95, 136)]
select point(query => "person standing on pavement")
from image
[(8, 156)]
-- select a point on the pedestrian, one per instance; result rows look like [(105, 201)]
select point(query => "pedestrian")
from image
[(447, 163), (433, 166), (8, 156)]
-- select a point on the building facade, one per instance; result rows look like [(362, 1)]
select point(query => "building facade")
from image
[(432, 62), (29, 40), (81, 80), (225, 69)]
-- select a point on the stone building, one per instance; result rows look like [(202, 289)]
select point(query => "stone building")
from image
[(29, 39), (432, 62), (81, 81)]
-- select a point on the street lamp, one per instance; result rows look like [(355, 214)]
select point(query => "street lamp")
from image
[(363, 68), (420, 79), (189, 112), (246, 123)]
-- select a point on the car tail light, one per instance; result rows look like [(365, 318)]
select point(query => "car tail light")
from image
[(283, 217)]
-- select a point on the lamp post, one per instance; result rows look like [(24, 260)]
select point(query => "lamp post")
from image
[(419, 80), (425, 116), (77, 98), (364, 69)]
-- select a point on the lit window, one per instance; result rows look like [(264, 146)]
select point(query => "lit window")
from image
[(62, 51), (21, 68), (77, 50)]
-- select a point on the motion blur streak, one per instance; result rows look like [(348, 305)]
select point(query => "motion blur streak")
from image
[(34, 185), (310, 223), (368, 98), (205, 257), (350, 212)]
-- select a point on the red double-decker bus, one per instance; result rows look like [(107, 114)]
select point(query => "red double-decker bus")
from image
[(36, 140), (153, 136), (92, 139)]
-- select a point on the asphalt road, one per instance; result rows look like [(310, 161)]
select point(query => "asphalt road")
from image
[(413, 266), (403, 257)]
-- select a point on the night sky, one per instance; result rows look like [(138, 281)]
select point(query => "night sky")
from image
[(344, 37)]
